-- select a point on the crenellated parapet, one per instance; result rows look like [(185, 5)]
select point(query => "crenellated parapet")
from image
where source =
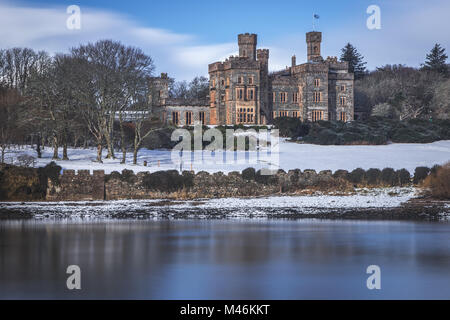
[(77, 186)]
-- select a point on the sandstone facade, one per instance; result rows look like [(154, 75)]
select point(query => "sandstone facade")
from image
[(242, 91)]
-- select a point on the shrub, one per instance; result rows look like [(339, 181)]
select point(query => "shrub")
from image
[(342, 174), (439, 183), (248, 174), (113, 175), (375, 130), (20, 183), (26, 160), (265, 179), (420, 174), (128, 176), (160, 139), (373, 176), (388, 177), (52, 171), (351, 137), (327, 137), (167, 181), (403, 177), (356, 176), (435, 169), (291, 127)]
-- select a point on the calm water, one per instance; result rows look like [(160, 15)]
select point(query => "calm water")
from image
[(224, 259)]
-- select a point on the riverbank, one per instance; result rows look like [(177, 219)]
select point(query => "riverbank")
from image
[(364, 204)]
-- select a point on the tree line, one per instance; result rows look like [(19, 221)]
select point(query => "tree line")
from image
[(76, 98), (81, 98), (401, 92)]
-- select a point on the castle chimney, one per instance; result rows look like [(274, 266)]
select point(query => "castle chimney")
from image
[(294, 61)]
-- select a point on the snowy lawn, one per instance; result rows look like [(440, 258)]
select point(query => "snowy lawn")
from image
[(290, 156)]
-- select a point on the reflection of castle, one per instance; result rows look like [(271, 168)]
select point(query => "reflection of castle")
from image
[(243, 91)]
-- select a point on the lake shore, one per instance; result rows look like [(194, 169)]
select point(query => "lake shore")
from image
[(365, 204)]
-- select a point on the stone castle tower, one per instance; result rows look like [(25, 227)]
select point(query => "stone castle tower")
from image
[(242, 91), (247, 45), (313, 42)]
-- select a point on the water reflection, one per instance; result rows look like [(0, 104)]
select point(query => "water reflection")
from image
[(222, 259)]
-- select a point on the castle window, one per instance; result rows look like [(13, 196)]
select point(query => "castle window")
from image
[(317, 96), (222, 82), (250, 80), (251, 94), (283, 113), (201, 116), (222, 97), (342, 88), (240, 94), (343, 101), (343, 116), (188, 118), (295, 114), (316, 49), (244, 53), (240, 80), (316, 83), (316, 115), (283, 96), (245, 115), (175, 118)]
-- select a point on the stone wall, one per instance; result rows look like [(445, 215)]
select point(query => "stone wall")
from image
[(116, 186), (77, 187)]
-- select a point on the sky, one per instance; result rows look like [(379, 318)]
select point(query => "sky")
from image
[(184, 36)]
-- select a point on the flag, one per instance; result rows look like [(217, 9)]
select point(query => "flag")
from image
[(316, 16)]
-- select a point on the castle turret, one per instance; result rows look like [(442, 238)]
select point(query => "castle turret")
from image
[(314, 40), (247, 45), (263, 56), (159, 90), (294, 61)]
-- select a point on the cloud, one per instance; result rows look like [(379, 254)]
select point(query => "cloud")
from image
[(45, 29), (409, 30)]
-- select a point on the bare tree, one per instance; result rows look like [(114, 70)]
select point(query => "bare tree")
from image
[(9, 104), (144, 126), (17, 64), (116, 72)]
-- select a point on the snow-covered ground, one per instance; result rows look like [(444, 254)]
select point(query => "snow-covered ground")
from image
[(290, 156), (228, 207), (374, 198)]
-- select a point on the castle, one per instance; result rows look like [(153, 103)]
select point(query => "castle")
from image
[(242, 91)]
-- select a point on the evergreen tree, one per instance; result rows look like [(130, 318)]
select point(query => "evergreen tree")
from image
[(355, 60), (436, 60)]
